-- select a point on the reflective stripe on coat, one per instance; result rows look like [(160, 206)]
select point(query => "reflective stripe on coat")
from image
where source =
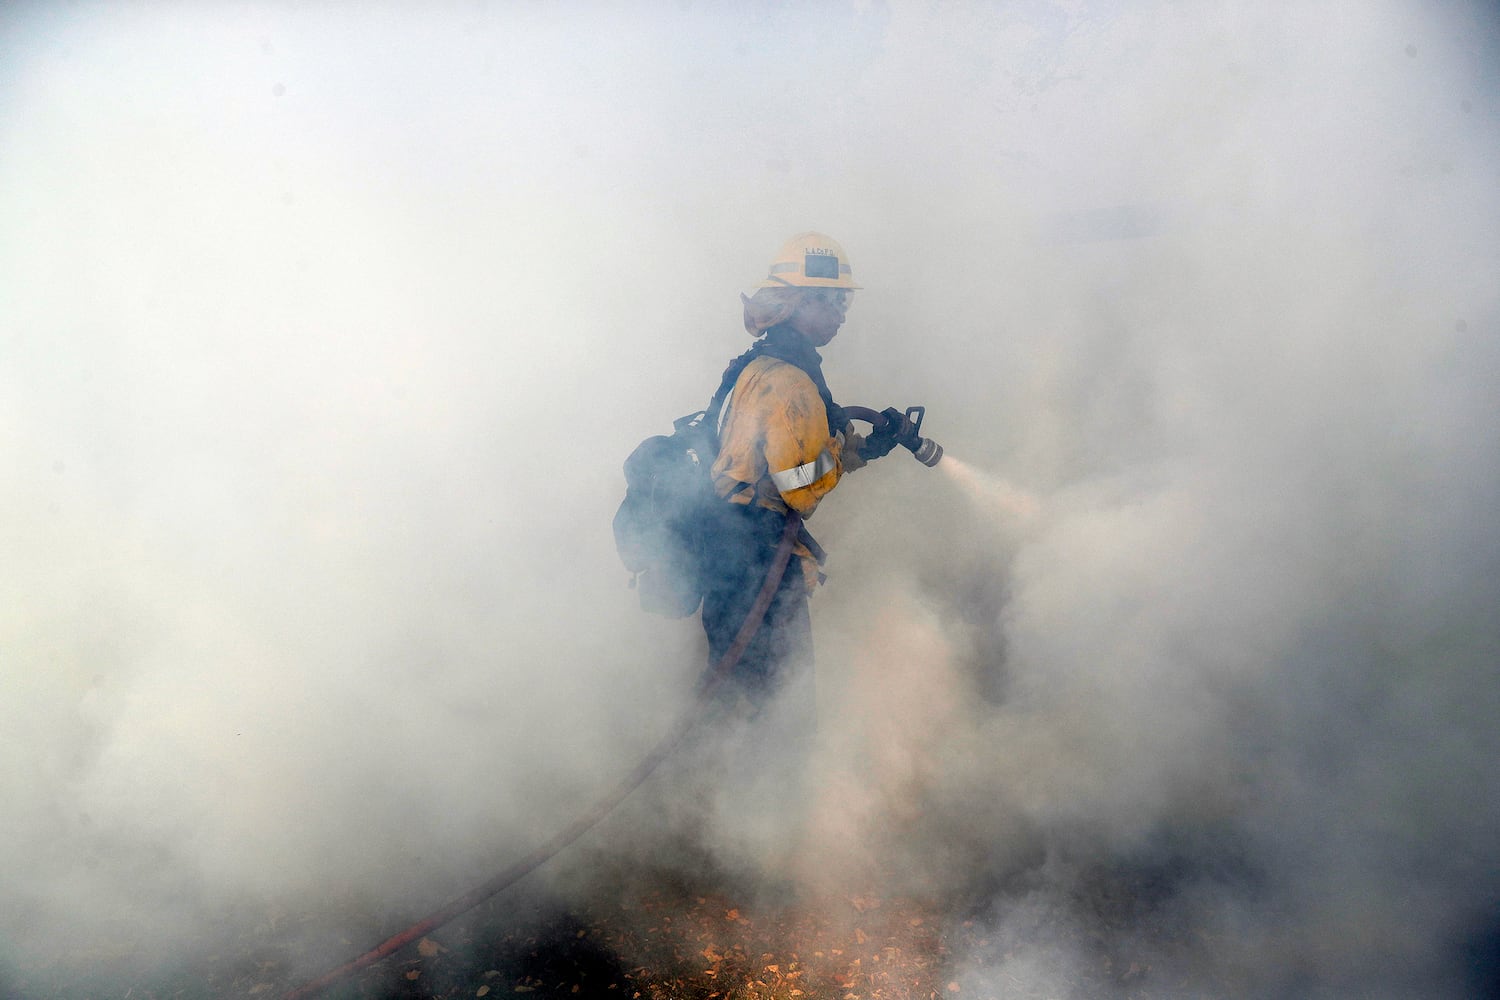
[(774, 446)]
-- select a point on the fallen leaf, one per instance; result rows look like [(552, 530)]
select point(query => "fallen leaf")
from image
[(953, 987), (414, 975), (483, 991), (428, 948)]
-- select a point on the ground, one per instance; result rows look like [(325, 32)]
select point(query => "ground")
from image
[(661, 939), (664, 946)]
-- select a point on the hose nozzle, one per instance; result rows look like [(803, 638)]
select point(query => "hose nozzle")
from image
[(927, 451)]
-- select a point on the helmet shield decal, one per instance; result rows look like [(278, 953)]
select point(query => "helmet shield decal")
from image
[(820, 265)]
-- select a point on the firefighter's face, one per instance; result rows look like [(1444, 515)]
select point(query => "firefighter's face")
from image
[(819, 314)]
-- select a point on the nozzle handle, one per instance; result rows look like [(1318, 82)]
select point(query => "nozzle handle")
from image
[(927, 451)]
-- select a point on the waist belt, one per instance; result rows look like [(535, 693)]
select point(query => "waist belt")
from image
[(751, 502)]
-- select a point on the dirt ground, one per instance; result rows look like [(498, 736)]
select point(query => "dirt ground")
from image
[(665, 940)]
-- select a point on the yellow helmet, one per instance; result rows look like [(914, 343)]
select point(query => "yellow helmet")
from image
[(810, 260)]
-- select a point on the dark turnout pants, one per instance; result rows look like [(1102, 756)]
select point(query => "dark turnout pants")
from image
[(762, 718), (741, 554)]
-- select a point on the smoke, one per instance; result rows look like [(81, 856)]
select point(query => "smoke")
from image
[(325, 335)]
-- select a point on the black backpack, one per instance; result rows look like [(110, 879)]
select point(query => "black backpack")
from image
[(666, 522), (662, 527)]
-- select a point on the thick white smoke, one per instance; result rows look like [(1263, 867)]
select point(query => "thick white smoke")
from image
[(324, 335)]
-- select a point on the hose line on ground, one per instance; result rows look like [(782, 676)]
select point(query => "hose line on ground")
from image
[(550, 848)]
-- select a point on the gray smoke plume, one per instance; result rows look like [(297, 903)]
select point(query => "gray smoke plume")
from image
[(324, 335)]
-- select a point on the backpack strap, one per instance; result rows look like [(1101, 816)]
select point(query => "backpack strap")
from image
[(709, 418), (726, 386)]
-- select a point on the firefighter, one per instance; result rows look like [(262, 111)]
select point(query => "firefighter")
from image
[(784, 445)]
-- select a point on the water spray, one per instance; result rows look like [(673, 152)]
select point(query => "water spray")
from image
[(993, 495)]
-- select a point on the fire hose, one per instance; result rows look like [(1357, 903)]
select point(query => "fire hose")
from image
[(926, 451), (545, 851)]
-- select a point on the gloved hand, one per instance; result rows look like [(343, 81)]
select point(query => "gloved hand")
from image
[(879, 443)]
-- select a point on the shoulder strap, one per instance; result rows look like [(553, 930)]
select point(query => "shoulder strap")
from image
[(726, 386)]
